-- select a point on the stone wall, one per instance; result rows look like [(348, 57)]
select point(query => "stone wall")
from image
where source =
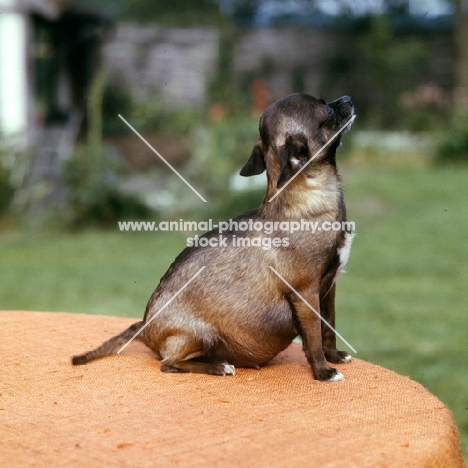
[(174, 65), (178, 65), (286, 56)]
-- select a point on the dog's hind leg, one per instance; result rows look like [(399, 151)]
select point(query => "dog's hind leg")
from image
[(183, 353)]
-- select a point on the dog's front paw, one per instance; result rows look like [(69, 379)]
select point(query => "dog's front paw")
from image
[(338, 377), (336, 357), (329, 375)]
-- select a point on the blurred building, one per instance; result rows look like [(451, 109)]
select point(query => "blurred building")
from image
[(173, 64), (318, 53), (48, 51)]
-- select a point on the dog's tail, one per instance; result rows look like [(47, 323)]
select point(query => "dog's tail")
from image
[(111, 346)]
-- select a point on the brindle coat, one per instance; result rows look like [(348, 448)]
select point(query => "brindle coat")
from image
[(237, 312)]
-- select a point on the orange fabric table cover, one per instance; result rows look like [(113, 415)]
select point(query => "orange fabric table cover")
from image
[(122, 411)]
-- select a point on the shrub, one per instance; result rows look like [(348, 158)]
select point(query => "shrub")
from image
[(221, 149), (6, 190), (94, 196), (452, 142), (235, 203), (14, 164)]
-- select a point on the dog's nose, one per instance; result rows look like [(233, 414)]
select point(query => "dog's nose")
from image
[(342, 101)]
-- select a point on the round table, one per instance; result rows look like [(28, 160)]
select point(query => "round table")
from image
[(122, 411)]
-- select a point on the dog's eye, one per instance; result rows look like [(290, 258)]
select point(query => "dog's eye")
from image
[(300, 152), (331, 113)]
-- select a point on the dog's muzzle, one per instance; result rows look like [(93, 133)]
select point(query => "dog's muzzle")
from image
[(344, 110)]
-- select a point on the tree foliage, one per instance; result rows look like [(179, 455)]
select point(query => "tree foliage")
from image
[(176, 13)]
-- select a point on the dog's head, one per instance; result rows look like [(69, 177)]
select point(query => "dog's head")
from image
[(292, 131)]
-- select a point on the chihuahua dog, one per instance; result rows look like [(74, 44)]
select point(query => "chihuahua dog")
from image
[(238, 312)]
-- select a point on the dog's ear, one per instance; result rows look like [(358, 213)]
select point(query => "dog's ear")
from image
[(293, 155), (256, 162)]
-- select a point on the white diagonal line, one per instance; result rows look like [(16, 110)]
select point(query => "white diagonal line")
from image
[(162, 159), (161, 309), (310, 307), (312, 158)]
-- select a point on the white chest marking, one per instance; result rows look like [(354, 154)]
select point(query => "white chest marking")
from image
[(344, 252)]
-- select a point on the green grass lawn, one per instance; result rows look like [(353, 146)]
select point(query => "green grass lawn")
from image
[(402, 303), (106, 273)]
